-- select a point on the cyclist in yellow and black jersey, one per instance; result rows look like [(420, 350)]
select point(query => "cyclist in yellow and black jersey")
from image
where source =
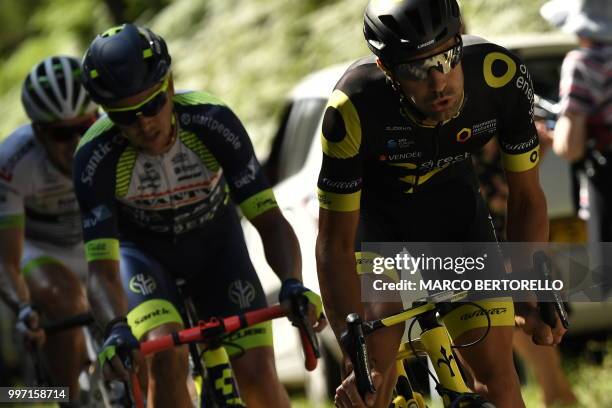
[(397, 135), (380, 154)]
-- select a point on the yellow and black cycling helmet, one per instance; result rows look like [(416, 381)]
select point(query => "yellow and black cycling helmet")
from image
[(123, 61), (396, 30)]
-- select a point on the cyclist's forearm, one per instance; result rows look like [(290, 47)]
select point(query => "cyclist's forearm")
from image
[(13, 288), (280, 244), (527, 218), (105, 292), (340, 287)]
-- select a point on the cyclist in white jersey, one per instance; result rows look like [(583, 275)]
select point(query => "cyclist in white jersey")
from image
[(42, 266)]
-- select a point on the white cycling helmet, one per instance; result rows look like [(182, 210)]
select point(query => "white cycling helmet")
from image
[(52, 91)]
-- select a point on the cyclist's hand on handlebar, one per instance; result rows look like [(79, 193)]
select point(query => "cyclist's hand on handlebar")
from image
[(545, 135), (348, 396), (293, 289), (528, 318), (28, 324), (120, 353)]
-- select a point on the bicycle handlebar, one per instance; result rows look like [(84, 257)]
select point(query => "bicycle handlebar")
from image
[(83, 319), (207, 331)]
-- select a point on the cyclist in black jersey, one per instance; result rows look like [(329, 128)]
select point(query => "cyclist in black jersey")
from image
[(156, 180), (397, 136)]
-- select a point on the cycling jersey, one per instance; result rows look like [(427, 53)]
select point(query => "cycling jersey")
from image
[(377, 154), (34, 194), (125, 192)]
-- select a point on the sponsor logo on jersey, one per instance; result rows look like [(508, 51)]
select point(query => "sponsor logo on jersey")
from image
[(341, 184), (248, 175), (96, 158), (523, 82), (266, 203), (176, 199), (242, 293), (400, 156), (445, 161), (96, 215), (464, 135), (180, 158), (520, 147), (399, 143), (151, 177), (185, 170), (399, 129), (142, 284), (487, 127), (216, 126)]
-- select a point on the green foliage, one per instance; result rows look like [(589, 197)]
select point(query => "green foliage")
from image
[(248, 52)]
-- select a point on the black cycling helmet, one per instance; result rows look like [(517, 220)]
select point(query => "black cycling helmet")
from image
[(395, 30), (124, 61)]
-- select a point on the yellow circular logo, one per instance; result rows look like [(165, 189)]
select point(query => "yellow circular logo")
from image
[(464, 135), (498, 81)]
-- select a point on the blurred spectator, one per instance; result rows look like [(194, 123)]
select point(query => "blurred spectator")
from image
[(583, 133)]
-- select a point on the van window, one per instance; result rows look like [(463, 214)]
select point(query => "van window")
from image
[(301, 127)]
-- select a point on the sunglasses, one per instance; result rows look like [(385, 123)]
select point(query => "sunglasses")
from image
[(65, 134), (418, 70), (149, 107)]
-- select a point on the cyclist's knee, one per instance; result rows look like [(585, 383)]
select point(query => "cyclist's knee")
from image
[(57, 291), (255, 367), (171, 364)]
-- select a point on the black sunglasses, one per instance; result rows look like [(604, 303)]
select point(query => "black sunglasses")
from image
[(149, 107)]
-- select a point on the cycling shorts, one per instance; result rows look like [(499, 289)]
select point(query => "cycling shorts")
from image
[(219, 279)]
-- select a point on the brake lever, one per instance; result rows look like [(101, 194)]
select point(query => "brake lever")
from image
[(299, 307), (354, 344), (133, 394), (552, 304)]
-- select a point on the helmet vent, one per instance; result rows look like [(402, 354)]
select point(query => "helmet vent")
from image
[(415, 22), (436, 13), (391, 23)]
